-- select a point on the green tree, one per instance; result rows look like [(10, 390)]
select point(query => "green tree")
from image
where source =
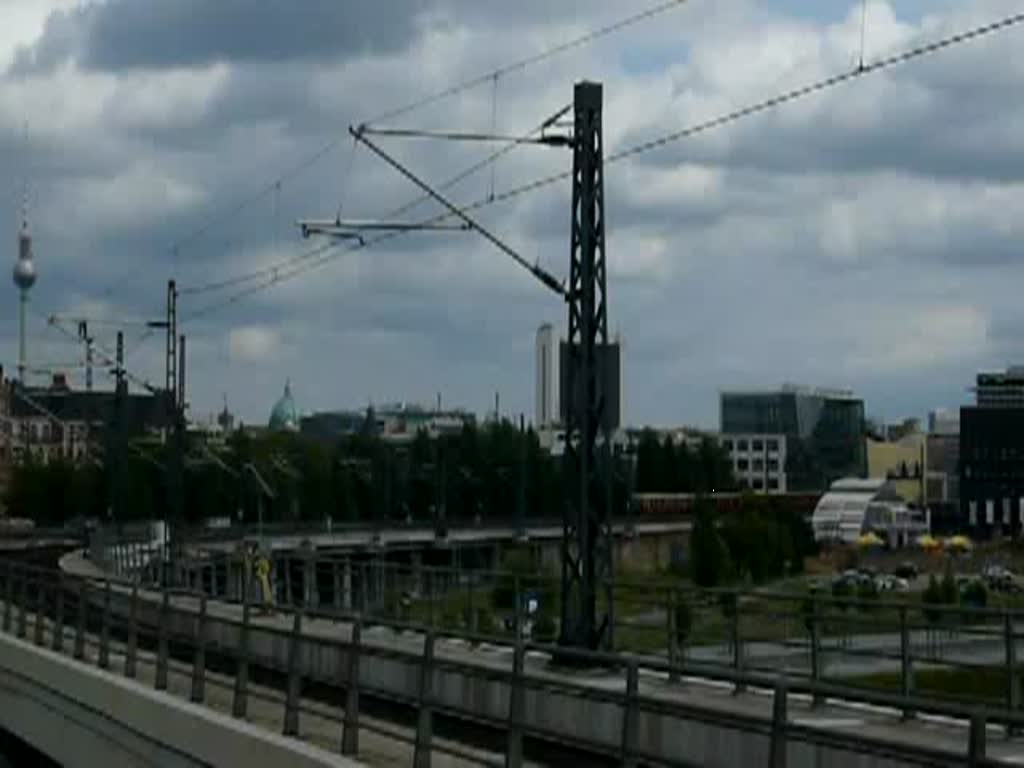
[(708, 554), (648, 463), (930, 599)]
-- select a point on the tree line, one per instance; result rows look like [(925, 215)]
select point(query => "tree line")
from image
[(664, 467), (495, 471)]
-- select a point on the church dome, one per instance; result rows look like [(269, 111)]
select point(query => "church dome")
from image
[(284, 417)]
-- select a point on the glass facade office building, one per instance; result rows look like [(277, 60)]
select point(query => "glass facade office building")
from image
[(823, 431)]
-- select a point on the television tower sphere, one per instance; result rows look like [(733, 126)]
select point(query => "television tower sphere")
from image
[(24, 270)]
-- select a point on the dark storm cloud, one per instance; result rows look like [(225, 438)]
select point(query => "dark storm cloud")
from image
[(155, 34)]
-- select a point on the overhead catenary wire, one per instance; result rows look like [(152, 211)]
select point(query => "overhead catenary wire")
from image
[(528, 61), (334, 250)]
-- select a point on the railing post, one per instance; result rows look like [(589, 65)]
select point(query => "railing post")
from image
[(57, 640), (104, 652), (40, 623), (240, 705), (425, 724), (429, 574), (737, 644), (630, 715), (162, 641), (8, 595), (83, 606), (517, 621), (23, 604), (906, 663), (780, 721), (516, 708), (350, 726), (132, 646), (288, 599), (1012, 690), (673, 634), (291, 704), (199, 661), (976, 741), (815, 636), (335, 586)]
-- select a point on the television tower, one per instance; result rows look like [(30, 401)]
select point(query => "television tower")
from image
[(24, 279)]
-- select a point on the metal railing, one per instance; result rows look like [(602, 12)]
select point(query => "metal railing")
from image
[(966, 655), (93, 619)]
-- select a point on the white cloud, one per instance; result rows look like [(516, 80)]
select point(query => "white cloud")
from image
[(254, 344)]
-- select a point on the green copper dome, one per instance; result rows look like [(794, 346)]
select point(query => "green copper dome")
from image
[(284, 417)]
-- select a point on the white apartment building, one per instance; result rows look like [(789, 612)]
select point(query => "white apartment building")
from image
[(758, 461)]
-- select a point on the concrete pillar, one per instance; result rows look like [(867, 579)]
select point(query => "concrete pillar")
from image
[(417, 573), (346, 585), (214, 580), (235, 587), (336, 585), (310, 590)]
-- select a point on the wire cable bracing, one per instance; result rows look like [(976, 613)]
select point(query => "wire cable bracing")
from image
[(330, 252)]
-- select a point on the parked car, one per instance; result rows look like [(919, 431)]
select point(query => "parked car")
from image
[(906, 570), (888, 583)]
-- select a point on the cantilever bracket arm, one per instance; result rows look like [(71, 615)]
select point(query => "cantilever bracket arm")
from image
[(350, 229), (545, 277)]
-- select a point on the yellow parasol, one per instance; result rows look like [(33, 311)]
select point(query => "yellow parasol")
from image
[(959, 541), (928, 542), (869, 539)]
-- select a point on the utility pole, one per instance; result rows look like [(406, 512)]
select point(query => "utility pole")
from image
[(83, 335), (120, 433), (521, 496), (174, 425), (587, 533)]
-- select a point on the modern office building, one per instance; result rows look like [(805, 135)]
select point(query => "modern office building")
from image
[(609, 366), (800, 439), (992, 456), (942, 470), (552, 396), (759, 461), (1001, 389), (547, 413)]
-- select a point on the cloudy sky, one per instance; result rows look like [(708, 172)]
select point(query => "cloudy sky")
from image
[(868, 238)]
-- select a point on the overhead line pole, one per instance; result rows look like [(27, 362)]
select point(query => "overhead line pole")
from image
[(587, 534)]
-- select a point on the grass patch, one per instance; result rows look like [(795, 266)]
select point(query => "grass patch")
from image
[(962, 684)]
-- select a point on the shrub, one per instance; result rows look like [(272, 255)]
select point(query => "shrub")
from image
[(975, 594), (544, 628), (867, 590), (684, 621)]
